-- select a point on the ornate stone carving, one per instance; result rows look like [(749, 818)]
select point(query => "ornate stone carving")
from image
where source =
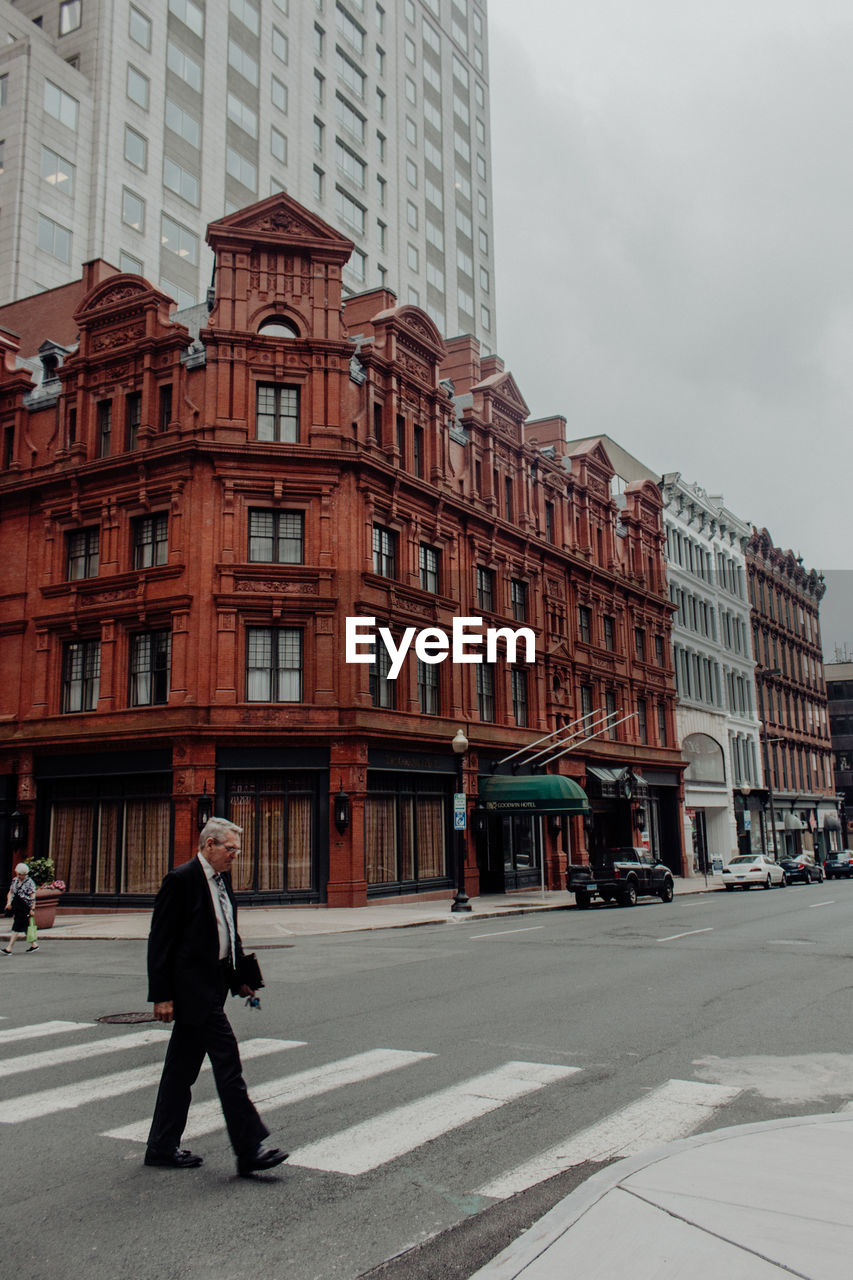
[(118, 337)]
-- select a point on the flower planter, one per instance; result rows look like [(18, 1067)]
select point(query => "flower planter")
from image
[(47, 901)]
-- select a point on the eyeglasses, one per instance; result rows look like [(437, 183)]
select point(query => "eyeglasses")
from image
[(229, 848)]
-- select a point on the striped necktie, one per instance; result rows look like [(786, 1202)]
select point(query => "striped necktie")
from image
[(227, 914)]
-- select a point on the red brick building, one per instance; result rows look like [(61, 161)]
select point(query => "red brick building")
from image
[(189, 512), (792, 700)]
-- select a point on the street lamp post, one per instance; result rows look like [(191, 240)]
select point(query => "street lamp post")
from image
[(460, 748), (769, 779), (762, 725)]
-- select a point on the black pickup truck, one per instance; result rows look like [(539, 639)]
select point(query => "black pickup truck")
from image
[(620, 875)]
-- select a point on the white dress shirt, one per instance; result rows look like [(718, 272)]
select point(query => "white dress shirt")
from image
[(222, 927)]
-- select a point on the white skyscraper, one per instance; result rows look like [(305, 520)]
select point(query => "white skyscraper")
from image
[(126, 127)]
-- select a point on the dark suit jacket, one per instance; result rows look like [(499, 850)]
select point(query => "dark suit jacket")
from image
[(183, 945)]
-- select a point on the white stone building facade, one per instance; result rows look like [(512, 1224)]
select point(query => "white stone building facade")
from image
[(127, 127), (716, 715)]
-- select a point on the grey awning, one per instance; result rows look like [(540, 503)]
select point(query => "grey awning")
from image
[(793, 823), (602, 774), (831, 822)]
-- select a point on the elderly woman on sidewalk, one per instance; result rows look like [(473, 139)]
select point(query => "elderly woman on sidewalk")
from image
[(21, 901)]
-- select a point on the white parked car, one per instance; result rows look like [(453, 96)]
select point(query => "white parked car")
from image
[(750, 869)]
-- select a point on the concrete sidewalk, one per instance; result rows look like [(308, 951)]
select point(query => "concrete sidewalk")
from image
[(746, 1203), (270, 924)]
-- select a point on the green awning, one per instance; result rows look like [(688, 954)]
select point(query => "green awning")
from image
[(542, 793)]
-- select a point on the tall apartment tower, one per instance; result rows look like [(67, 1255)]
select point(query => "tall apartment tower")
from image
[(126, 126)]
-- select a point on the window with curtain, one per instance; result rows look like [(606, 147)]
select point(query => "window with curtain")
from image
[(273, 664), (150, 540), (82, 558), (277, 812), (81, 675), (150, 661), (277, 537), (277, 413), (111, 835), (405, 835)]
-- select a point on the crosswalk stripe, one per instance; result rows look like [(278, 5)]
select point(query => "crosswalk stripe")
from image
[(39, 1029), (207, 1116), (671, 1111), (77, 1052), (374, 1142), (29, 1106)]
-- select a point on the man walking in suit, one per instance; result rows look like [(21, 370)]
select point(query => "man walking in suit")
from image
[(194, 952)]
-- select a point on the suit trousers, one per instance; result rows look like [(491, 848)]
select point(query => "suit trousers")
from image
[(188, 1046)]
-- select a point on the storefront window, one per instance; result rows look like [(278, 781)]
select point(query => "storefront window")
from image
[(405, 833), (114, 840), (277, 814)]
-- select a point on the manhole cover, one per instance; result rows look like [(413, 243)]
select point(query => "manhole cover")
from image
[(127, 1017)]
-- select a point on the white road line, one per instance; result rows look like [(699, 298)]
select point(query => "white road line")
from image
[(76, 1052), (374, 1142), (830, 903), (207, 1117), (497, 932), (39, 1029), (671, 1111), (689, 934), (29, 1106)]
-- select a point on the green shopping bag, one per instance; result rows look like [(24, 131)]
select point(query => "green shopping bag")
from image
[(32, 931)]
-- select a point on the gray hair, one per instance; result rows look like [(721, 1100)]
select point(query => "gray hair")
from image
[(217, 830), (22, 869)]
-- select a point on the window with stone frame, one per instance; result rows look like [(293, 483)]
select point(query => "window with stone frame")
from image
[(642, 720), (105, 427), (384, 551), (584, 623), (277, 413), (273, 664), (81, 675), (383, 692), (518, 599), (485, 589), (150, 540), (81, 560), (430, 561), (519, 696), (150, 667), (429, 675), (277, 537), (133, 418), (486, 691)]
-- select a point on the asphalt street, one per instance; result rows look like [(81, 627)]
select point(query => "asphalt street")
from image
[(438, 1087)]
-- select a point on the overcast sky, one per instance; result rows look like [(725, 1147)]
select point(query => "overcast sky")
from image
[(673, 202)]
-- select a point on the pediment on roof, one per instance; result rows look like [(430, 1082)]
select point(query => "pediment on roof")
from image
[(119, 293), (646, 489), (594, 451), (505, 387), (278, 220), (415, 323)]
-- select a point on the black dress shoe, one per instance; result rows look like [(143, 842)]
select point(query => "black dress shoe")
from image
[(172, 1159), (263, 1158)]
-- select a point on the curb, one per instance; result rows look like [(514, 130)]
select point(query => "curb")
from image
[(557, 1222)]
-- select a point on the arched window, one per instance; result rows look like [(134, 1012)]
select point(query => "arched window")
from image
[(706, 759), (278, 327)]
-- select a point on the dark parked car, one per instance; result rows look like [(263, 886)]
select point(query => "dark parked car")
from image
[(804, 869), (840, 864)]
